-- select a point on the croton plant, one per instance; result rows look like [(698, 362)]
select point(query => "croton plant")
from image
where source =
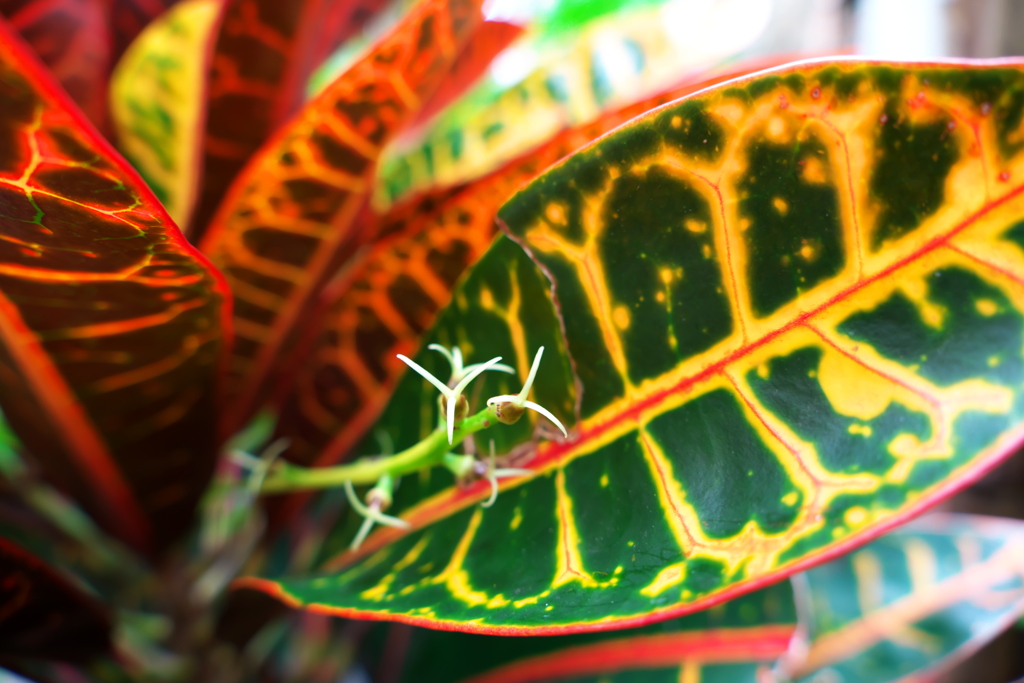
[(658, 394)]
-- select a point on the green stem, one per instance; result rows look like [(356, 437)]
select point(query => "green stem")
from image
[(285, 478)]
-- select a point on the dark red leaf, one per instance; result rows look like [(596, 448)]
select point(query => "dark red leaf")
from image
[(110, 323), (73, 39), (43, 615)]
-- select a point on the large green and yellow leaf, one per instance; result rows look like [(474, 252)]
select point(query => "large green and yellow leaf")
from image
[(910, 604), (111, 325), (781, 316), (156, 106), (293, 213), (392, 291), (904, 607)]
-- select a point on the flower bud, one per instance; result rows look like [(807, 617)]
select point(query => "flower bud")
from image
[(507, 412), (461, 407), (380, 496)]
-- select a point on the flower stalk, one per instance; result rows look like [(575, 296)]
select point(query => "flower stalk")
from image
[(286, 478), (435, 450)]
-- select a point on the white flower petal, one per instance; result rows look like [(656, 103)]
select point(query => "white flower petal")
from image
[(505, 472), (388, 520), (364, 531), (450, 417), (447, 354), (354, 501), (493, 480), (441, 386), (500, 367), (546, 413), (533, 374)]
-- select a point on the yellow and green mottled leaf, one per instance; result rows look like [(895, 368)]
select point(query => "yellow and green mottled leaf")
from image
[(781, 316), (154, 107), (911, 603), (616, 53), (393, 290)]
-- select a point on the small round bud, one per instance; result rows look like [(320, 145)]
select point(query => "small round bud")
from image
[(461, 407), (508, 412), (381, 497)]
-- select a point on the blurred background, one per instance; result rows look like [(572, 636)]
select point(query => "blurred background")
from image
[(896, 29)]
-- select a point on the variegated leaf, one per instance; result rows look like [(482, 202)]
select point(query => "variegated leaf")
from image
[(72, 38), (781, 316), (912, 603), (261, 60), (576, 62), (392, 291), (43, 614), (735, 643), (111, 325), (292, 214)]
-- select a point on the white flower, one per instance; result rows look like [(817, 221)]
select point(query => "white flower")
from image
[(519, 400), (493, 474), (455, 358), (452, 394), (379, 500)]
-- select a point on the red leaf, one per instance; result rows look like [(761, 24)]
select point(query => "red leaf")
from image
[(72, 38), (489, 39), (110, 323)]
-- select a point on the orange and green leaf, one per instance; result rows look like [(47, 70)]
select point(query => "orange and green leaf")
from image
[(910, 604), (782, 316), (291, 214), (262, 58), (111, 325), (72, 38), (904, 607), (154, 108), (490, 38)]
